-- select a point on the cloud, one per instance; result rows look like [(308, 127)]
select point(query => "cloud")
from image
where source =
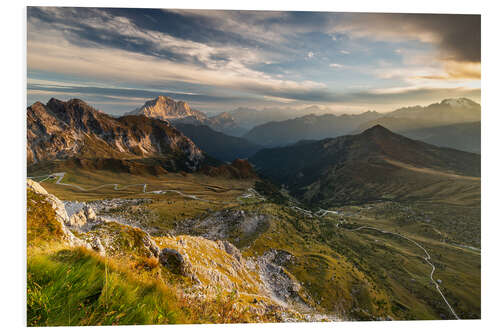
[(56, 48), (463, 70), (458, 37), (239, 56)]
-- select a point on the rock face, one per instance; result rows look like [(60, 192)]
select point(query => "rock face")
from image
[(231, 250), (167, 109), (218, 266), (73, 129), (119, 240)]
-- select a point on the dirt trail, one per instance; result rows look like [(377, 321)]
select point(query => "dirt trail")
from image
[(430, 171)]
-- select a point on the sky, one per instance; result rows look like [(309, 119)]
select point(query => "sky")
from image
[(116, 59)]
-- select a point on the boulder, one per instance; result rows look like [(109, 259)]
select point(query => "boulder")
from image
[(174, 261)]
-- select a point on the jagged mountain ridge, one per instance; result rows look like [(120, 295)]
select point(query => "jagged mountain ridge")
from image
[(369, 166), (73, 129)]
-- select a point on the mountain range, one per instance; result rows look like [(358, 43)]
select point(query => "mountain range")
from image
[(310, 127), (73, 129), (369, 166), (410, 121), (248, 118)]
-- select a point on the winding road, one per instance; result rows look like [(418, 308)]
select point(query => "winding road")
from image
[(427, 258), (116, 187)]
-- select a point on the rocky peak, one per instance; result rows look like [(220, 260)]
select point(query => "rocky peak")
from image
[(461, 102), (166, 108)]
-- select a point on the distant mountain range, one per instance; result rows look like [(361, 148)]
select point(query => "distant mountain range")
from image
[(65, 130), (464, 136), (449, 111), (368, 166), (248, 118), (310, 127), (415, 122)]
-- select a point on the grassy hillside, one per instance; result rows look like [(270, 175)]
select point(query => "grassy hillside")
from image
[(69, 285), (374, 165)]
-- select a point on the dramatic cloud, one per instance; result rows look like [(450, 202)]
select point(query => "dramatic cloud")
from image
[(219, 60), (458, 37)]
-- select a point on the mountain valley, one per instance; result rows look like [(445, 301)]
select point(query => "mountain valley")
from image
[(368, 226)]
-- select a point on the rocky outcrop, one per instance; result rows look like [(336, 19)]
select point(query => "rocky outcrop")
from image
[(281, 284), (103, 235), (73, 129), (216, 267), (60, 213), (80, 215), (220, 225), (121, 240), (213, 266), (231, 250)]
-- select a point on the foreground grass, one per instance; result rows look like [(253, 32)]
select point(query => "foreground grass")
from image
[(74, 287)]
